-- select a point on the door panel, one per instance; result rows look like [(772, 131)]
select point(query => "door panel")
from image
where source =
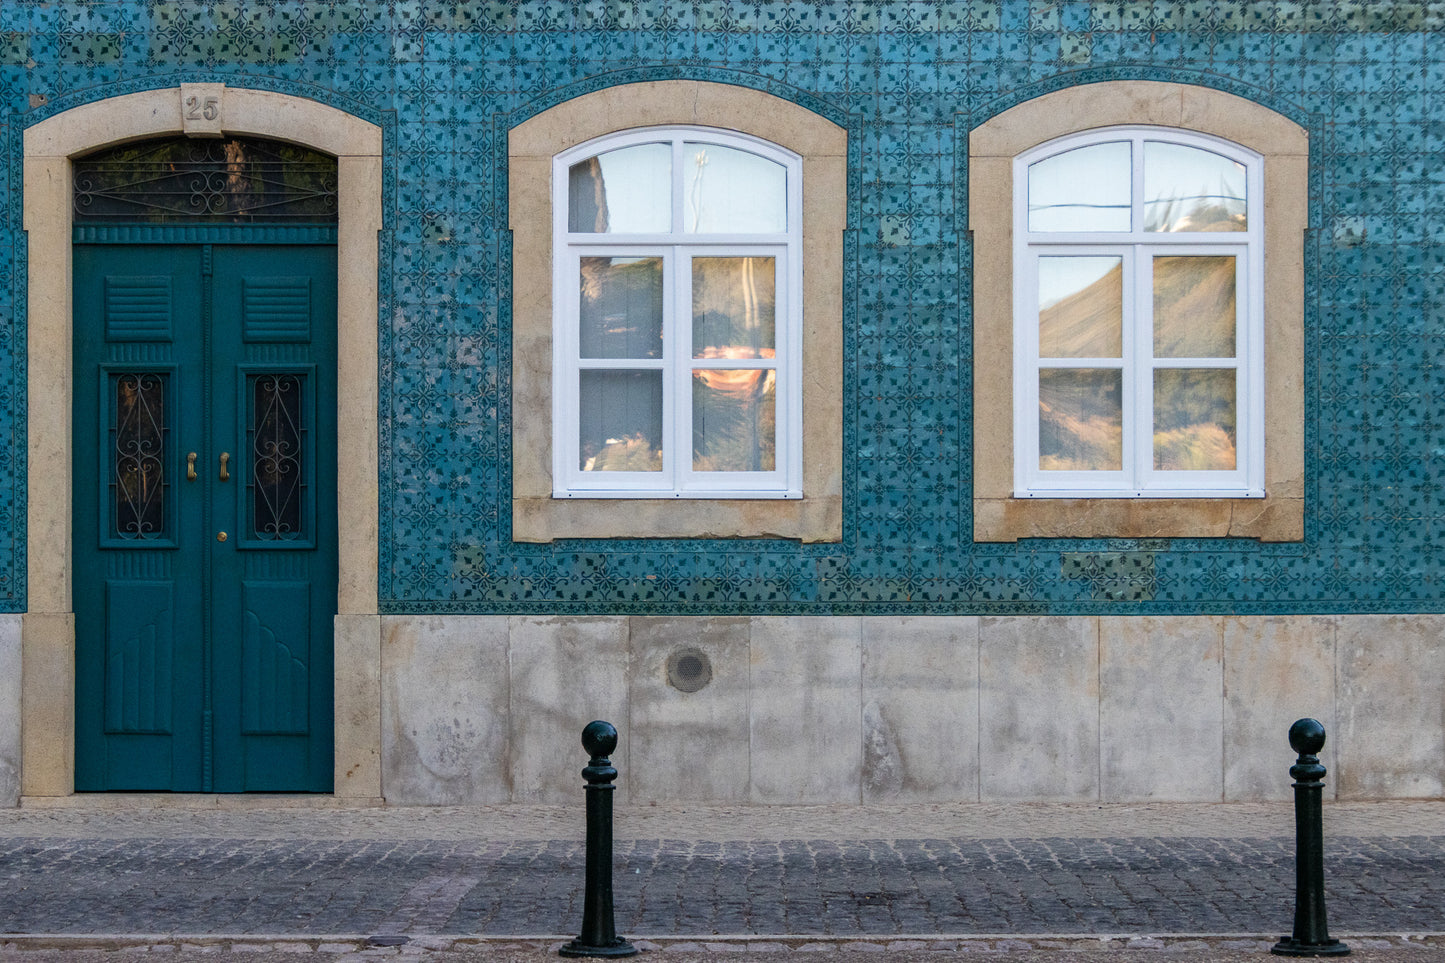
[(205, 520)]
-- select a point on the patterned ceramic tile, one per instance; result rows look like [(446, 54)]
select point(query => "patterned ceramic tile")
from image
[(907, 79)]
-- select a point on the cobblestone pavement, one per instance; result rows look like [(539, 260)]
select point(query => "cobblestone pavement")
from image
[(862, 873)]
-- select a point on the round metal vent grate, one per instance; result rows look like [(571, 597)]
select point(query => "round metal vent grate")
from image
[(688, 669)]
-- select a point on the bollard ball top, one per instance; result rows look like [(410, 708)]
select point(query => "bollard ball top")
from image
[(1307, 737), (599, 738)]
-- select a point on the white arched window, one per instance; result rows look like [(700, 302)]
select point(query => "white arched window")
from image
[(1138, 306), (677, 326)]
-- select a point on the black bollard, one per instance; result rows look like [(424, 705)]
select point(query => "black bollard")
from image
[(1311, 936), (599, 931)]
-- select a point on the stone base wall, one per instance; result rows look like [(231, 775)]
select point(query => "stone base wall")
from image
[(810, 710), (10, 709)]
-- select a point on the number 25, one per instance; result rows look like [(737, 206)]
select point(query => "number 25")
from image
[(210, 109)]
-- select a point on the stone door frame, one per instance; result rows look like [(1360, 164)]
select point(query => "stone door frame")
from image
[(47, 706)]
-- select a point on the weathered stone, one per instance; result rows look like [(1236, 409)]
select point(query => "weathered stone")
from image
[(683, 745), (920, 709), (1161, 708), (10, 709), (445, 710), (1390, 742), (1038, 709), (805, 714), (566, 672), (1276, 669)]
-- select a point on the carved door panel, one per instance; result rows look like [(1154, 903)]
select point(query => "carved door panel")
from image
[(205, 518)]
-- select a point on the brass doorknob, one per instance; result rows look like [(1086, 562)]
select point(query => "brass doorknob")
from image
[(220, 536)]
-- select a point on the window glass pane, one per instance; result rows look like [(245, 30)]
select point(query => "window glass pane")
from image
[(733, 420), (138, 456), (733, 307), (727, 191), (1194, 307), (277, 476), (1084, 189), (1194, 419), (620, 311), (1081, 307), (1081, 419), (1188, 189), (621, 421), (624, 191)]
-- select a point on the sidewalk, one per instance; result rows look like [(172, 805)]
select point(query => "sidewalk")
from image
[(912, 877)]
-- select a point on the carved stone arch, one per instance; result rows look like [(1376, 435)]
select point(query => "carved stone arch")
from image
[(47, 645)]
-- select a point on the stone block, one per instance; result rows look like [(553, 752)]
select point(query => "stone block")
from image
[(1276, 669), (47, 705), (10, 710), (1038, 709), (444, 710), (1161, 709), (805, 716), (566, 672), (920, 709), (357, 710), (1391, 704), (688, 746)]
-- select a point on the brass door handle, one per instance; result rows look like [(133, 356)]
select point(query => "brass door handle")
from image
[(225, 459), (191, 467)]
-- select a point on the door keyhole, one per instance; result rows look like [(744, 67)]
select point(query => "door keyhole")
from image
[(225, 460), (191, 466)]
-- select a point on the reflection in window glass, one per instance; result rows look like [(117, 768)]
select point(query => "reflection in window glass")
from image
[(733, 308), (621, 421), (1194, 418), (728, 191), (620, 311), (1194, 307), (1189, 189), (733, 420), (1081, 307), (1084, 189), (1081, 419), (624, 191)]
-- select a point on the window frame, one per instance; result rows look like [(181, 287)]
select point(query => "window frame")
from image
[(677, 248), (994, 141), (1136, 247), (537, 516)]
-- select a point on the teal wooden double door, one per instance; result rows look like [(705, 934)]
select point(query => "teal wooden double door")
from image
[(204, 515)]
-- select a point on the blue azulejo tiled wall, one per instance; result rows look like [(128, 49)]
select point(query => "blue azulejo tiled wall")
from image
[(907, 79)]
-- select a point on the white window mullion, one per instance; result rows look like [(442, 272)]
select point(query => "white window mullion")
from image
[(1139, 436), (680, 369)]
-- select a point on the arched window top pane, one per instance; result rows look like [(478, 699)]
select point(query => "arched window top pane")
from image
[(1192, 189), (230, 180), (623, 191), (731, 191), (1084, 189)]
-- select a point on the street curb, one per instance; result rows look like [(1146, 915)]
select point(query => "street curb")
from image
[(386, 944)]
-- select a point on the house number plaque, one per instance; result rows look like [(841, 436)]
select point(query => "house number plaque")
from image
[(202, 109)]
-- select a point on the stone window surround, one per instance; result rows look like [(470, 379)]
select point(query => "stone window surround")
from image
[(992, 146), (48, 632), (536, 515)]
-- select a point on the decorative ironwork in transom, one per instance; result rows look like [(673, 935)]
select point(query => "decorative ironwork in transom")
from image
[(232, 180)]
